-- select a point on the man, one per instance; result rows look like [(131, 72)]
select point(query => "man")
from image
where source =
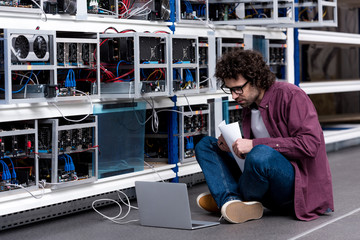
[(286, 167)]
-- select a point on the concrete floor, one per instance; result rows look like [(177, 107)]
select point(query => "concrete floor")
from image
[(342, 224)]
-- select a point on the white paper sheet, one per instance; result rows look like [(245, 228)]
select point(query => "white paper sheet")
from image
[(231, 132)]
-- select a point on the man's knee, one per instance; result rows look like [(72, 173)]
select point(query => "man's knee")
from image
[(259, 156), (204, 144)]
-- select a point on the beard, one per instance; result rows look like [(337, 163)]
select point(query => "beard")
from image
[(247, 101)]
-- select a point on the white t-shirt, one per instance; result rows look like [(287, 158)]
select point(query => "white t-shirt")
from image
[(257, 125)]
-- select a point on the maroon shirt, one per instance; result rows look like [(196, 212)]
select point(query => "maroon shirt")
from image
[(292, 122)]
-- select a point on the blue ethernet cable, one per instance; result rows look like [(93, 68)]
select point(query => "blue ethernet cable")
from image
[(71, 162), (189, 143), (142, 70), (67, 80), (73, 79), (70, 79), (204, 10), (66, 167), (189, 77), (176, 73), (3, 177), (13, 170), (189, 8), (117, 67), (5, 171)]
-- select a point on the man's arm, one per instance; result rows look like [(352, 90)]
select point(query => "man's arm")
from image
[(298, 133)]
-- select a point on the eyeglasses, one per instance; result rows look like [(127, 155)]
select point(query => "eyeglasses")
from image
[(237, 90)]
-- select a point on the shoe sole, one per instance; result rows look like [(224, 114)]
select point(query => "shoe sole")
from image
[(239, 212)]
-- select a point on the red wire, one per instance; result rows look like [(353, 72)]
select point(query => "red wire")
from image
[(117, 79), (127, 30), (162, 32), (111, 28)]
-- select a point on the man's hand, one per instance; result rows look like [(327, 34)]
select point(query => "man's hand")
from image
[(242, 146), (222, 144)]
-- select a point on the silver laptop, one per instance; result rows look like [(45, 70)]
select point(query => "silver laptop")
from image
[(166, 205)]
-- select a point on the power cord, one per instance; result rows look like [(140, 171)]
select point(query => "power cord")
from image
[(79, 120), (22, 187), (153, 168), (42, 11), (117, 219), (154, 116)]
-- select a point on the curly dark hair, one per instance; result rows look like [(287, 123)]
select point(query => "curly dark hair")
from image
[(247, 63)]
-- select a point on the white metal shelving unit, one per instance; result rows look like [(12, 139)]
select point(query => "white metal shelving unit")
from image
[(340, 133)]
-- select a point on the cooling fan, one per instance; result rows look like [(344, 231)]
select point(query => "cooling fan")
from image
[(40, 47), (22, 46), (73, 51), (60, 54), (29, 47), (85, 52)]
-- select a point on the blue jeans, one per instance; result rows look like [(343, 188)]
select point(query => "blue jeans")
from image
[(268, 176)]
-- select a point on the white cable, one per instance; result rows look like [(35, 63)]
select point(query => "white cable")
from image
[(136, 11), (187, 100), (206, 23), (153, 168), (125, 8), (155, 118), (42, 10), (82, 119), (141, 11), (28, 77), (207, 79), (46, 183), (22, 187), (116, 219)]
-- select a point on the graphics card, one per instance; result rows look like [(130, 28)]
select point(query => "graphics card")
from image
[(29, 47)]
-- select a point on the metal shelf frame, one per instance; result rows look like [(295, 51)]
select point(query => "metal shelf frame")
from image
[(92, 39), (241, 6), (49, 64), (194, 17), (180, 66), (205, 115), (339, 39), (56, 127), (19, 132), (323, 7), (135, 87), (208, 45)]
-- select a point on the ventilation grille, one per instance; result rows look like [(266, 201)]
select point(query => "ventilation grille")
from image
[(60, 209)]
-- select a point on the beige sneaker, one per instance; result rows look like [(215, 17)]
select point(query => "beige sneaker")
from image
[(236, 211), (207, 202)]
